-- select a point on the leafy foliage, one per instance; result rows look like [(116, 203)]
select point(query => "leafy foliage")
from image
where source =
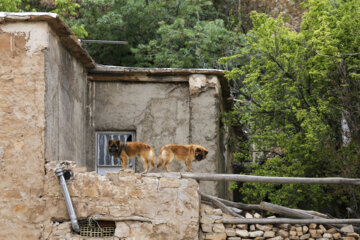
[(292, 91), (197, 38), (184, 46), (9, 5)]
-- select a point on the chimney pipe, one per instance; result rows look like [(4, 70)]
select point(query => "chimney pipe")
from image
[(74, 223)]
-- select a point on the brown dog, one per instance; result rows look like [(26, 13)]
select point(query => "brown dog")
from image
[(124, 151), (186, 153)]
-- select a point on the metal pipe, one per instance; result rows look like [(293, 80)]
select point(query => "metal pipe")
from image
[(104, 41), (74, 223)]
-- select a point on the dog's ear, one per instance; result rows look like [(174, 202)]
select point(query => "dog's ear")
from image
[(110, 142), (206, 152), (198, 150)]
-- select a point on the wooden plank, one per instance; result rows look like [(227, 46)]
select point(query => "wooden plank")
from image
[(289, 221)]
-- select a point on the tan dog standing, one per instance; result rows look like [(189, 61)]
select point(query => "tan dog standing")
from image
[(124, 151), (185, 153)]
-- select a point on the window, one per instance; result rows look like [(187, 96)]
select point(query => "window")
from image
[(104, 161)]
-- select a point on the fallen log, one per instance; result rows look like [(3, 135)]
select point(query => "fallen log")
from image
[(239, 205), (220, 205), (289, 221), (318, 214), (285, 211)]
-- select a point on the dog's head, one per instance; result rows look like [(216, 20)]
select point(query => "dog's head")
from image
[(114, 147), (200, 153)]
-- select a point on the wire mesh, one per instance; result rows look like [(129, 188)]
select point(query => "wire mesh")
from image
[(92, 228)]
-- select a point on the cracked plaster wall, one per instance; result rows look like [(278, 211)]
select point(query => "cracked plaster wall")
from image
[(164, 113), (22, 125), (66, 96)]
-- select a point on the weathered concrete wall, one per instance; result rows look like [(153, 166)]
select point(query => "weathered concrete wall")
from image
[(66, 89), (164, 113), (205, 127), (158, 113), (22, 124)]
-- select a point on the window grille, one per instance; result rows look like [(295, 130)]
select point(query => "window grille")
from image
[(104, 161)]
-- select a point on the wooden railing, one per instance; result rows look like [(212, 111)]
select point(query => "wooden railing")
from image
[(298, 216)]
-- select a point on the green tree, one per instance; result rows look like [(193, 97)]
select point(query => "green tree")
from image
[(146, 26), (293, 91), (184, 46), (9, 5)]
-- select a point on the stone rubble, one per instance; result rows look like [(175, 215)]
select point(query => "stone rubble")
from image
[(215, 230)]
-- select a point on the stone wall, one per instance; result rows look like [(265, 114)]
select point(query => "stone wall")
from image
[(22, 125), (167, 112), (170, 204), (212, 227)]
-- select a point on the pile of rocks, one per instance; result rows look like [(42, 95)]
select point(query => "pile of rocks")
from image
[(212, 227)]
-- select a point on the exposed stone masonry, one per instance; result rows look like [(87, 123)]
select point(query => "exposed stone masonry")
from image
[(213, 228), (171, 204)]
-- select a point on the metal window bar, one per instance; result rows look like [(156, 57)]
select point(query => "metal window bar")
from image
[(93, 228), (106, 162)]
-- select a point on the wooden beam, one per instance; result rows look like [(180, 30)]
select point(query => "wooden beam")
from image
[(219, 204), (263, 179), (285, 211), (240, 205), (289, 221)]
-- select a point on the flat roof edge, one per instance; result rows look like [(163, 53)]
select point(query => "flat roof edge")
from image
[(109, 69), (63, 31)]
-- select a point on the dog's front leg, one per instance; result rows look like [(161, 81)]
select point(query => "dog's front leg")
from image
[(188, 165), (124, 160)]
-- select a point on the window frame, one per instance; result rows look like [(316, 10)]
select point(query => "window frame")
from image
[(98, 134)]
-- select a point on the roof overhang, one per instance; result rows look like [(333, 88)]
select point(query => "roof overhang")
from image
[(62, 30)]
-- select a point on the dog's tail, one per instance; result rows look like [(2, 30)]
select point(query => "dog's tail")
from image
[(160, 161)]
